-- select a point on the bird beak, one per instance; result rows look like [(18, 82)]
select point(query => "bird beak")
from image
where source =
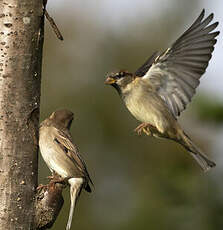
[(110, 80)]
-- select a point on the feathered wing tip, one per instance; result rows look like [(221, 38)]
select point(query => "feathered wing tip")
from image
[(197, 154), (75, 190)]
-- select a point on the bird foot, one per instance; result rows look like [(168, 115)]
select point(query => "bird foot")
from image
[(41, 186), (50, 177), (55, 179), (144, 127)]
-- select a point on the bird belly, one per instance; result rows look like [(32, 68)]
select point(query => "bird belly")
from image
[(142, 114), (141, 110), (149, 109), (52, 156)]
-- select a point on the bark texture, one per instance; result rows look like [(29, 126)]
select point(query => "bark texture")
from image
[(21, 40), (48, 203)]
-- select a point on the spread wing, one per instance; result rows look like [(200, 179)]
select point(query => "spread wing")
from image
[(176, 72), (64, 140), (145, 67)]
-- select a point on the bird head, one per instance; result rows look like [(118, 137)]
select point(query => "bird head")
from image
[(63, 117), (119, 80)]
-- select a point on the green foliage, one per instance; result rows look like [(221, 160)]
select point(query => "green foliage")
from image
[(210, 109)]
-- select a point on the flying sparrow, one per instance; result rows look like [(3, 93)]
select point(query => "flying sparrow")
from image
[(62, 156), (162, 87)]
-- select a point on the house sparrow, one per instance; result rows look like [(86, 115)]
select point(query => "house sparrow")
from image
[(162, 87), (62, 156)]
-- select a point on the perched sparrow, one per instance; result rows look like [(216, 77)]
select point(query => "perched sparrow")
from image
[(162, 87), (62, 156)]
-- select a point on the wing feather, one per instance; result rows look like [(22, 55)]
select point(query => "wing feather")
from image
[(145, 67), (176, 72), (64, 140)]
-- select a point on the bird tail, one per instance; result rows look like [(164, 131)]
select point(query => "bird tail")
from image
[(75, 190), (196, 153)]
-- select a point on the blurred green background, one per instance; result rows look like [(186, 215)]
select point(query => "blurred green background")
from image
[(140, 182)]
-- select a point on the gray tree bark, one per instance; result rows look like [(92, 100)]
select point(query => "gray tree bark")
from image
[(21, 41)]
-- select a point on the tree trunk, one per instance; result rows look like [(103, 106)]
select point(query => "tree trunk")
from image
[(21, 41)]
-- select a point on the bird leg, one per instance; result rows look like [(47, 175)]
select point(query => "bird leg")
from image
[(40, 186), (144, 127), (55, 178)]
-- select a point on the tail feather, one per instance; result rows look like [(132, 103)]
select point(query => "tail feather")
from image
[(71, 213), (75, 190), (196, 153)]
